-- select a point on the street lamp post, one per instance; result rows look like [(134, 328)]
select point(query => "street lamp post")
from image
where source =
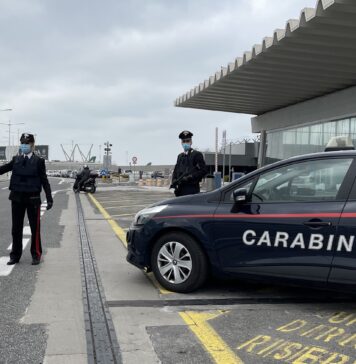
[(9, 124), (9, 121)]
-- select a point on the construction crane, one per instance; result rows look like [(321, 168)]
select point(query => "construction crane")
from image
[(71, 156)]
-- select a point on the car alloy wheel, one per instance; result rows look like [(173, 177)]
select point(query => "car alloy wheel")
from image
[(178, 262), (174, 262)]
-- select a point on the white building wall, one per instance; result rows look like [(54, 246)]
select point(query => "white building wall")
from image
[(338, 105)]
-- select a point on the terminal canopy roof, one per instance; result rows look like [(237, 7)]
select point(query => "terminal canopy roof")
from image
[(311, 57)]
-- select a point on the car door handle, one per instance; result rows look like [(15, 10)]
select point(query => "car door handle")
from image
[(316, 224)]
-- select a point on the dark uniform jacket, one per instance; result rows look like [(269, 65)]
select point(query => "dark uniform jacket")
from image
[(190, 168), (27, 179), (84, 174)]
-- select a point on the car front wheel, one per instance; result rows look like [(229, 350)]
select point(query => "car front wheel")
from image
[(179, 263)]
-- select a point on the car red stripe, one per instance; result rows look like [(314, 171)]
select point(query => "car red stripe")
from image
[(260, 216)]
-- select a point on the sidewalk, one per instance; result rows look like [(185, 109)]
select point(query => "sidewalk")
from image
[(57, 301), (123, 282)]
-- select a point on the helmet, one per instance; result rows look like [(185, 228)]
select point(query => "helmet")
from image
[(86, 166)]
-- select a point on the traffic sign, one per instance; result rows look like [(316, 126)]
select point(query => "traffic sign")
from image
[(134, 160)]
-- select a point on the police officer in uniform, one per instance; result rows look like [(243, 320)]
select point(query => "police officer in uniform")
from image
[(190, 168), (27, 179)]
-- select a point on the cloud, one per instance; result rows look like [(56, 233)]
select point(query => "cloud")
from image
[(91, 71)]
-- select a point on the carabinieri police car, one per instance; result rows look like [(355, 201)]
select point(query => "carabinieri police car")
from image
[(291, 222)]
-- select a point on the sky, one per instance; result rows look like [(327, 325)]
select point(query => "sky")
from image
[(87, 72)]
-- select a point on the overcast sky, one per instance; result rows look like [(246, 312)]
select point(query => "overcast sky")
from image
[(89, 71)]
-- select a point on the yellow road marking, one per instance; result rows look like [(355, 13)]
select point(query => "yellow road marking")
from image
[(157, 285), (117, 229), (122, 236), (124, 207), (123, 215), (212, 342)]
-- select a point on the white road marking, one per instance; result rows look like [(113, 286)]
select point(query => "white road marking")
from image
[(24, 244), (26, 230), (42, 213), (65, 190), (61, 181), (5, 188), (5, 269)]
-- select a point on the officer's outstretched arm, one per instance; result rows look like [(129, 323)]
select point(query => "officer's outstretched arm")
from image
[(7, 167)]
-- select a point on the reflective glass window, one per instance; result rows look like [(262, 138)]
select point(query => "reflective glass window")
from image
[(343, 127), (287, 143), (303, 135), (329, 130), (316, 136), (310, 181)]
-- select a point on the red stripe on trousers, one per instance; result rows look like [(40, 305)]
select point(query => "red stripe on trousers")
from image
[(37, 245)]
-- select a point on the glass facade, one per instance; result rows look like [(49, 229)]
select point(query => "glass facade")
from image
[(288, 143)]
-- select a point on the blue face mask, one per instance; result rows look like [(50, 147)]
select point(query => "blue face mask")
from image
[(186, 146), (25, 148)]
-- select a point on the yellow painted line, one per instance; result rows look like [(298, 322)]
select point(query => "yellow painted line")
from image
[(124, 207), (123, 215), (154, 281), (211, 341), (117, 229)]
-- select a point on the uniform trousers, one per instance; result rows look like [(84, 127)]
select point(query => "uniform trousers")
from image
[(34, 216)]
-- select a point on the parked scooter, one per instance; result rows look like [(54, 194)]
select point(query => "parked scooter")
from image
[(88, 186)]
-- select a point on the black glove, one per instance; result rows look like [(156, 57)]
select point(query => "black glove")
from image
[(49, 204)]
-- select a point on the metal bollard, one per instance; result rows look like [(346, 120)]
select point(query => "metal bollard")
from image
[(217, 179)]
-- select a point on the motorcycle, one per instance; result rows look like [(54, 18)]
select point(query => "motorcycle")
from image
[(88, 186)]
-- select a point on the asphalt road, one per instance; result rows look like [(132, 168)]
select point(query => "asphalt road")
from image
[(24, 343)]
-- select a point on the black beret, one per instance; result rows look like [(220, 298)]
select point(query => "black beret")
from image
[(27, 138), (185, 134)]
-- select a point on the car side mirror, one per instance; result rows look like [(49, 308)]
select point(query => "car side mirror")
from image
[(240, 195)]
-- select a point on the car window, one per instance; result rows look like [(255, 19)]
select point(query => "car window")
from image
[(316, 180)]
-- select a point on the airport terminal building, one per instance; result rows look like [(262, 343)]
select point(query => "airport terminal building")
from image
[(300, 83)]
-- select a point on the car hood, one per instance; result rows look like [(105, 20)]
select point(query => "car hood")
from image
[(190, 199)]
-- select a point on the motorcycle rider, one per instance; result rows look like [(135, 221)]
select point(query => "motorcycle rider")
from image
[(82, 177)]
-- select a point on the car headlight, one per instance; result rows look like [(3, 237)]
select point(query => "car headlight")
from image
[(146, 214)]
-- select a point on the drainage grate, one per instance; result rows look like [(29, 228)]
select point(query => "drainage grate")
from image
[(102, 344), (229, 301)]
